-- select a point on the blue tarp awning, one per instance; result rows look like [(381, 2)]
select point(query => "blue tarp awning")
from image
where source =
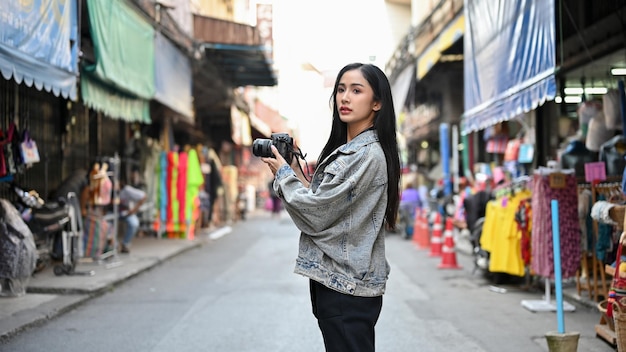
[(172, 77), (509, 59), (38, 44)]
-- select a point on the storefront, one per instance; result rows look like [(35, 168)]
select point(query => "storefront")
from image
[(434, 94), (562, 82), (39, 66)]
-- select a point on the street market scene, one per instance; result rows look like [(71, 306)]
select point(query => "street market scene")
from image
[(267, 175)]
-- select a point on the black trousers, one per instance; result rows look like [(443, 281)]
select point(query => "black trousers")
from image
[(347, 322)]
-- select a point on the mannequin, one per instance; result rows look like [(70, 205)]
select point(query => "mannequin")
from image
[(575, 156), (612, 152)]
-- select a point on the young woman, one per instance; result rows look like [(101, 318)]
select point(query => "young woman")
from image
[(347, 207)]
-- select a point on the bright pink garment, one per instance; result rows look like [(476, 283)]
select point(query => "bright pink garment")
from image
[(181, 187)]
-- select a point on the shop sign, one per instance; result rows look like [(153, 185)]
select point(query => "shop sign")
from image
[(595, 172)]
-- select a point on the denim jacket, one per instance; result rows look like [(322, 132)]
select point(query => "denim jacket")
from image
[(341, 216)]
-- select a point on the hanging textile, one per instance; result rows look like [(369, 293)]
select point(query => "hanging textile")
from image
[(501, 236), (523, 217), (172, 178), (584, 219), (565, 192), (195, 180), (181, 191), (162, 187)]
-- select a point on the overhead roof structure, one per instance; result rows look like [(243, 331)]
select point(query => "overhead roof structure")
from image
[(237, 50), (243, 65)]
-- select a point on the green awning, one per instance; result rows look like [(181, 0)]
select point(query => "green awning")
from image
[(114, 103), (124, 60)]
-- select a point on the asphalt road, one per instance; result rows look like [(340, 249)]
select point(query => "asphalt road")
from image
[(239, 293)]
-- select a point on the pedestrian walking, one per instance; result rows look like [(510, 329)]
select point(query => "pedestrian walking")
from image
[(346, 208), (409, 203), (276, 204)]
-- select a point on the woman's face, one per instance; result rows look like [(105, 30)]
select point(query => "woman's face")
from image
[(355, 101)]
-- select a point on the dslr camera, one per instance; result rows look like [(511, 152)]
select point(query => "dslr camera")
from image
[(282, 141)]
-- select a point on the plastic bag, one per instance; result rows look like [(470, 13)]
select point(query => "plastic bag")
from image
[(18, 253)]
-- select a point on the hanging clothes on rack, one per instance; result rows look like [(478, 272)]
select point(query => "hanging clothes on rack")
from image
[(597, 236), (585, 202), (502, 236), (549, 184), (606, 232), (523, 218)]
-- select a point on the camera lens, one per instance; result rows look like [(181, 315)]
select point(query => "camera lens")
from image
[(262, 148)]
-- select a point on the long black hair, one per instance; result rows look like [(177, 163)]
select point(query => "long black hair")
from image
[(385, 126)]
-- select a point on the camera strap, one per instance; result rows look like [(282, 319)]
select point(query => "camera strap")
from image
[(298, 154)]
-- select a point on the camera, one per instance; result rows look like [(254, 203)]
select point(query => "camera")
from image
[(282, 141)]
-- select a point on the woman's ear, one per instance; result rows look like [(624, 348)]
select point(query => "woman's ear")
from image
[(377, 106)]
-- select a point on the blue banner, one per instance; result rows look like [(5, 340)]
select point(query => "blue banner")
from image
[(38, 44), (172, 77), (509, 59)]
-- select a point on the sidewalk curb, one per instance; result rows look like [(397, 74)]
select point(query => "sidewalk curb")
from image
[(29, 318), (152, 263), (67, 299)]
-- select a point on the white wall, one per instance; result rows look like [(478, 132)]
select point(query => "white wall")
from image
[(327, 34)]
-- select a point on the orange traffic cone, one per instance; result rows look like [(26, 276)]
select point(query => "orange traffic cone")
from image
[(435, 242), (421, 236), (448, 256)]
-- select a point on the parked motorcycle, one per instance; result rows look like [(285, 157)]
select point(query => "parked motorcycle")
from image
[(475, 210), (481, 256), (55, 226)]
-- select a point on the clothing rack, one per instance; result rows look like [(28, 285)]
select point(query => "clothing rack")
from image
[(597, 278), (547, 304), (517, 184)]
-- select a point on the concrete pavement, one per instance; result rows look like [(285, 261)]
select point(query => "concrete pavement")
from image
[(49, 295)]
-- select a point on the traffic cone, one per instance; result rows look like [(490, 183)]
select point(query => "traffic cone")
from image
[(448, 256), (421, 237), (435, 242)]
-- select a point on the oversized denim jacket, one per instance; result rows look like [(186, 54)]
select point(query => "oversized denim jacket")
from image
[(341, 216)]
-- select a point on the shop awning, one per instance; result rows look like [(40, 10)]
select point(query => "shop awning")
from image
[(124, 52), (113, 102), (400, 88), (240, 127), (448, 36), (509, 59), (237, 50), (38, 45), (261, 127), (172, 77), (242, 65)]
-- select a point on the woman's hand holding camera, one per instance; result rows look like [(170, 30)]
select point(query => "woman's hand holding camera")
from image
[(276, 162)]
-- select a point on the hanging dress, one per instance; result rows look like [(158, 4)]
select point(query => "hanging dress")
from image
[(542, 262)]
